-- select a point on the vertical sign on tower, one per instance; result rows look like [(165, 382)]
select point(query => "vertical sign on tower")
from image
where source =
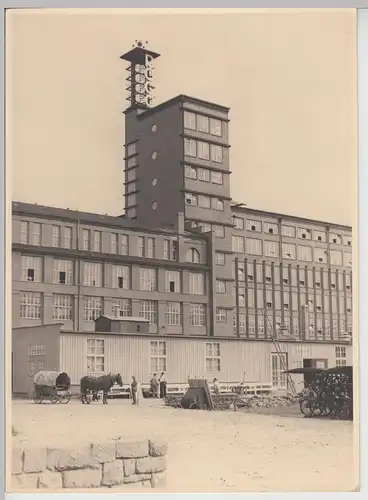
[(140, 75)]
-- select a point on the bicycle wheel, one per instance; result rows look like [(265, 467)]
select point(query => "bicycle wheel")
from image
[(305, 408)]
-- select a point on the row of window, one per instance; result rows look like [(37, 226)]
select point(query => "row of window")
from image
[(92, 241), (270, 299), (291, 231), (203, 174), (202, 123), (204, 201), (93, 275), (321, 329), (254, 246), (311, 278), (63, 309), (203, 150)]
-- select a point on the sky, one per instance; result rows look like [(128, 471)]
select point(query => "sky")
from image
[(289, 78)]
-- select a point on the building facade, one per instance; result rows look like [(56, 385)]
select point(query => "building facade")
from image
[(185, 256)]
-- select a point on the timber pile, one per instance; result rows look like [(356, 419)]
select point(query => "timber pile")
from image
[(173, 401), (269, 401)]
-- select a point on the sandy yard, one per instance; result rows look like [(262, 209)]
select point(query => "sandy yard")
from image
[(208, 451)]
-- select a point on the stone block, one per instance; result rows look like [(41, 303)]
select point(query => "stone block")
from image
[(129, 466), (74, 459), (82, 478), (103, 452), (50, 480), (132, 449), (113, 473), (52, 458), (25, 482), (158, 480), (138, 485), (136, 478), (157, 448), (17, 460), (34, 460), (150, 464)]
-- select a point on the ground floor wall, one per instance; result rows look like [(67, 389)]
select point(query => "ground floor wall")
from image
[(230, 361)]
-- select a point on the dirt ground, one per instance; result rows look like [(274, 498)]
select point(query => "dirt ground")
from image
[(222, 451)]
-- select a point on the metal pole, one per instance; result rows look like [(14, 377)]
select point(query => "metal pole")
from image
[(237, 296)]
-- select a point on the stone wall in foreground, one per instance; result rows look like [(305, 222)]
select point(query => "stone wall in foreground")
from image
[(120, 464)]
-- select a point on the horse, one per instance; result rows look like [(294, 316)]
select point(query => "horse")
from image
[(96, 384)]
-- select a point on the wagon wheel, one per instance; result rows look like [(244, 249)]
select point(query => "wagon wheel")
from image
[(343, 412), (194, 406), (54, 397), (37, 399), (65, 398)]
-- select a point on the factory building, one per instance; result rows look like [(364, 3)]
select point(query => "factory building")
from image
[(199, 281)]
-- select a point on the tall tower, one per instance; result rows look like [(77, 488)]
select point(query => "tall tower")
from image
[(177, 161)]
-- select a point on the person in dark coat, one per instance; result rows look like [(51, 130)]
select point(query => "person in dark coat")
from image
[(154, 386), (163, 384)]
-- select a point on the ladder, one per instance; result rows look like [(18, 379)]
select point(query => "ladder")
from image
[(290, 382)]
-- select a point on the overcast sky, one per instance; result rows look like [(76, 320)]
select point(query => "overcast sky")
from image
[(288, 77)]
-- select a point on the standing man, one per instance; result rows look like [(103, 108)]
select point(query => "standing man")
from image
[(134, 387), (163, 383), (154, 386), (216, 386)]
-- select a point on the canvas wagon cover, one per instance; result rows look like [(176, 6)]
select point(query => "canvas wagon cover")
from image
[(46, 378)]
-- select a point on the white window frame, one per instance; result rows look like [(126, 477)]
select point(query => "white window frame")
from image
[(114, 243), (140, 246), (212, 357), (148, 279), (123, 244), (36, 231), (148, 310), (197, 315), (271, 249), (279, 380), (173, 314), (122, 307), (92, 274), (95, 355), (56, 236), (190, 172), (31, 269), (203, 124), (193, 256), (189, 120), (191, 200), (62, 307), (190, 147), (31, 305), (120, 276), (63, 272), (220, 258), (217, 153), (175, 278), (221, 287), (86, 239), (219, 231), (93, 307), (288, 251), (150, 248), (97, 238), (158, 356), (216, 127), (254, 246), (197, 283), (24, 232), (341, 355), (203, 150), (67, 237), (217, 177), (238, 244), (221, 315)]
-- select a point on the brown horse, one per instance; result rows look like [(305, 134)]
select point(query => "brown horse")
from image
[(104, 383)]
